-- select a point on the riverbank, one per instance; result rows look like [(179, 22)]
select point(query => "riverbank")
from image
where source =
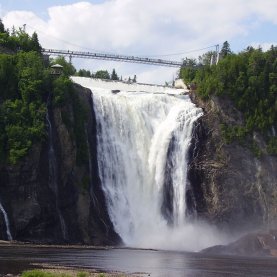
[(108, 262), (10, 268)]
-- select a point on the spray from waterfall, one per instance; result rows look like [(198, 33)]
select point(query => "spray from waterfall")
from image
[(7, 223), (143, 137)]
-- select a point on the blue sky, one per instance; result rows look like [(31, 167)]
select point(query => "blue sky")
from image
[(144, 27)]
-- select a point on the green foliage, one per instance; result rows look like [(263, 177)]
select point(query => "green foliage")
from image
[(84, 73), (8, 77), (35, 45), (250, 80), (2, 27), (231, 133), (25, 85), (23, 82), (82, 274), (114, 75), (225, 50), (68, 68), (62, 89), (205, 59), (24, 124), (40, 273), (102, 74), (19, 40)]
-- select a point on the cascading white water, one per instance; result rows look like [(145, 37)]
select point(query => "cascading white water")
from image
[(7, 223), (138, 129)]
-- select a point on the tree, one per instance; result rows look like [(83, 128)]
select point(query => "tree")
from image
[(84, 73), (135, 79), (114, 75), (189, 62), (225, 50), (35, 43), (205, 59), (2, 27), (68, 68), (102, 74)]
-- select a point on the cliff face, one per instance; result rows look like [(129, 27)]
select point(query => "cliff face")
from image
[(230, 186), (49, 197)]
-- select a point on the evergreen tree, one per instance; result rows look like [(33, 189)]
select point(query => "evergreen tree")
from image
[(2, 27), (114, 75), (135, 79), (225, 50), (35, 43)]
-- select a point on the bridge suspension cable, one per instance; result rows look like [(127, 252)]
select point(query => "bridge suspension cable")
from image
[(113, 57)]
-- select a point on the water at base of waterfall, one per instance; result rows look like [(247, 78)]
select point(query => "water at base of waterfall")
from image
[(135, 262), (143, 137)]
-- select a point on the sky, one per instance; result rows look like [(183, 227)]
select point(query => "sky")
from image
[(164, 29)]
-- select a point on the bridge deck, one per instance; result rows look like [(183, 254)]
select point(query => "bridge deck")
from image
[(122, 58)]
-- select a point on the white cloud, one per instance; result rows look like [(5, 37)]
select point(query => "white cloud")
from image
[(142, 27)]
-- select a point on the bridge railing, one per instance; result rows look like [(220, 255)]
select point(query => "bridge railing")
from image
[(103, 56)]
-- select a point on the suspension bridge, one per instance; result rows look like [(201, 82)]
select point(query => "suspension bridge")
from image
[(113, 57)]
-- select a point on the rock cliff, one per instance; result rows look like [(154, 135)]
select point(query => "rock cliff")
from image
[(51, 198), (230, 186), (74, 209)]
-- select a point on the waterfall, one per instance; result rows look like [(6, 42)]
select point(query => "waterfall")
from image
[(8, 232), (53, 174), (143, 137)]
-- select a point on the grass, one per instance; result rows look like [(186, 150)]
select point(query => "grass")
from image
[(41, 273)]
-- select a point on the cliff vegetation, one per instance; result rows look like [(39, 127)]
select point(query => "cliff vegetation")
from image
[(249, 80)]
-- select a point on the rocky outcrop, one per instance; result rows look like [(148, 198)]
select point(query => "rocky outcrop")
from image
[(230, 186), (74, 212), (254, 244)]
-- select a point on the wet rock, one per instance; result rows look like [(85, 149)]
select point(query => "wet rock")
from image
[(254, 244), (31, 203), (230, 186)]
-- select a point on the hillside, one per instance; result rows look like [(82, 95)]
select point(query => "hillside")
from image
[(233, 168)]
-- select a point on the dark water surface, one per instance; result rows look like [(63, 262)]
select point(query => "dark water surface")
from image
[(155, 263)]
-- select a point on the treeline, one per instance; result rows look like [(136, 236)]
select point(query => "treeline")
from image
[(18, 40), (249, 78), (25, 86), (27, 90), (104, 74)]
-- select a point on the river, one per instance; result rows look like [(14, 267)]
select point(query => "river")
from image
[(146, 262)]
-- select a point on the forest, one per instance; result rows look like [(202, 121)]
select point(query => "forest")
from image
[(249, 79), (27, 89), (26, 86)]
